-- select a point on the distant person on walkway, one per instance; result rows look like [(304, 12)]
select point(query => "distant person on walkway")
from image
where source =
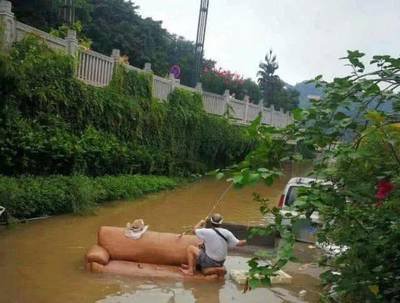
[(210, 258)]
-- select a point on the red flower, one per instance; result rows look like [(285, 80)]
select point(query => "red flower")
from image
[(384, 190)]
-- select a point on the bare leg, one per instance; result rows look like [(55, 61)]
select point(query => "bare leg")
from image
[(219, 271), (192, 254), (185, 266)]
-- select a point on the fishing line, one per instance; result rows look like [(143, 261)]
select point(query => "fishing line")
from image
[(220, 199)]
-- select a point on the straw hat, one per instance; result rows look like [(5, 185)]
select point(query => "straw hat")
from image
[(217, 219), (136, 226), (136, 229)]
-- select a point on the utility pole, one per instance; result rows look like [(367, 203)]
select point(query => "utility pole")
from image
[(201, 33)]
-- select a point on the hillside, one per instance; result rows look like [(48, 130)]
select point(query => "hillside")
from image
[(306, 90)]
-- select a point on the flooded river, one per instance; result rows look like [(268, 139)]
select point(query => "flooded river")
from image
[(43, 261)]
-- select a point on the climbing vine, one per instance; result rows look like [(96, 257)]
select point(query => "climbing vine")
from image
[(52, 123)]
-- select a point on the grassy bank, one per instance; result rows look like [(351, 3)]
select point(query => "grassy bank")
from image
[(82, 145), (27, 197)]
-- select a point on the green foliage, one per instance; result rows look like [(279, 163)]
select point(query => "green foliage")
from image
[(181, 52), (52, 123), (46, 14), (117, 24), (356, 146), (26, 197), (273, 88), (114, 24), (62, 32), (132, 83)]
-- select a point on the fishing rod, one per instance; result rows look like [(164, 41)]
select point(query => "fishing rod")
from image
[(220, 199)]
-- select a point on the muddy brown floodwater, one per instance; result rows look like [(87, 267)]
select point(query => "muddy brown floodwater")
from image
[(43, 261)]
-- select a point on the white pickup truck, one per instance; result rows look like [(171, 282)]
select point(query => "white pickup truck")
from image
[(305, 229), (3, 215), (289, 195)]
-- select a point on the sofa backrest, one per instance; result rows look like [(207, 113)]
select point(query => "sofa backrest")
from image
[(152, 247)]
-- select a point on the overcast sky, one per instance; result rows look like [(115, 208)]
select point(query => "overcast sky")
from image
[(308, 36)]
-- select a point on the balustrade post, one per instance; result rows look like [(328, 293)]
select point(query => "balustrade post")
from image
[(281, 115), (173, 81), (72, 42), (116, 54), (147, 67), (246, 108), (227, 98), (261, 110), (7, 25), (272, 107), (199, 87)]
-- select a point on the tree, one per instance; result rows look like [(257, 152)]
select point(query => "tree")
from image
[(358, 152), (181, 52), (275, 91), (251, 89), (45, 14), (116, 24), (268, 81)]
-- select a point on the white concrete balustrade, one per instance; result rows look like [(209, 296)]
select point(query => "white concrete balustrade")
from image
[(94, 68), (97, 69), (161, 87), (22, 30)]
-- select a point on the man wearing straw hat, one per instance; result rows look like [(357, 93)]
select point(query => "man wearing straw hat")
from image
[(211, 257)]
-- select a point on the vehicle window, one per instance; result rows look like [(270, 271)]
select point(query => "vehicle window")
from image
[(291, 195)]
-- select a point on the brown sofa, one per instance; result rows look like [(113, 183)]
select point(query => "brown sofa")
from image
[(155, 254)]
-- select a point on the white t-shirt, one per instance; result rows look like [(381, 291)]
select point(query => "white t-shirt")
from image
[(216, 247)]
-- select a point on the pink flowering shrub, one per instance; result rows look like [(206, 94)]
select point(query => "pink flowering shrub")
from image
[(217, 80)]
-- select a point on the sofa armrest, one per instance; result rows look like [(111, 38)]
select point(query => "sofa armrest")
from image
[(97, 254)]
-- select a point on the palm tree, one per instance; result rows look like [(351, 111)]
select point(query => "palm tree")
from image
[(269, 83), (267, 68)]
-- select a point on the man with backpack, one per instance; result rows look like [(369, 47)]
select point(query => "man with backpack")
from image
[(210, 257)]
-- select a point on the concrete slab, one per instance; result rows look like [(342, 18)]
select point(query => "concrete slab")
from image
[(240, 276)]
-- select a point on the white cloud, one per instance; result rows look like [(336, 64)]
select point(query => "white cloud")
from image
[(308, 36)]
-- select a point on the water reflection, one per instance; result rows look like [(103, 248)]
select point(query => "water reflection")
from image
[(222, 291)]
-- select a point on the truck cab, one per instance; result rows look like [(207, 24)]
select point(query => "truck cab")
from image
[(305, 229), (289, 196)]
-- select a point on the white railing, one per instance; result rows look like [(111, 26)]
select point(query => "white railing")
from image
[(238, 109), (214, 104), (130, 67), (97, 69), (21, 30), (94, 68), (162, 88), (252, 112)]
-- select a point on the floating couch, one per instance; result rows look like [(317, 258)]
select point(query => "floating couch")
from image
[(155, 254)]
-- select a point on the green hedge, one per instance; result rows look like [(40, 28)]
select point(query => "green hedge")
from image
[(52, 123), (26, 197)]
